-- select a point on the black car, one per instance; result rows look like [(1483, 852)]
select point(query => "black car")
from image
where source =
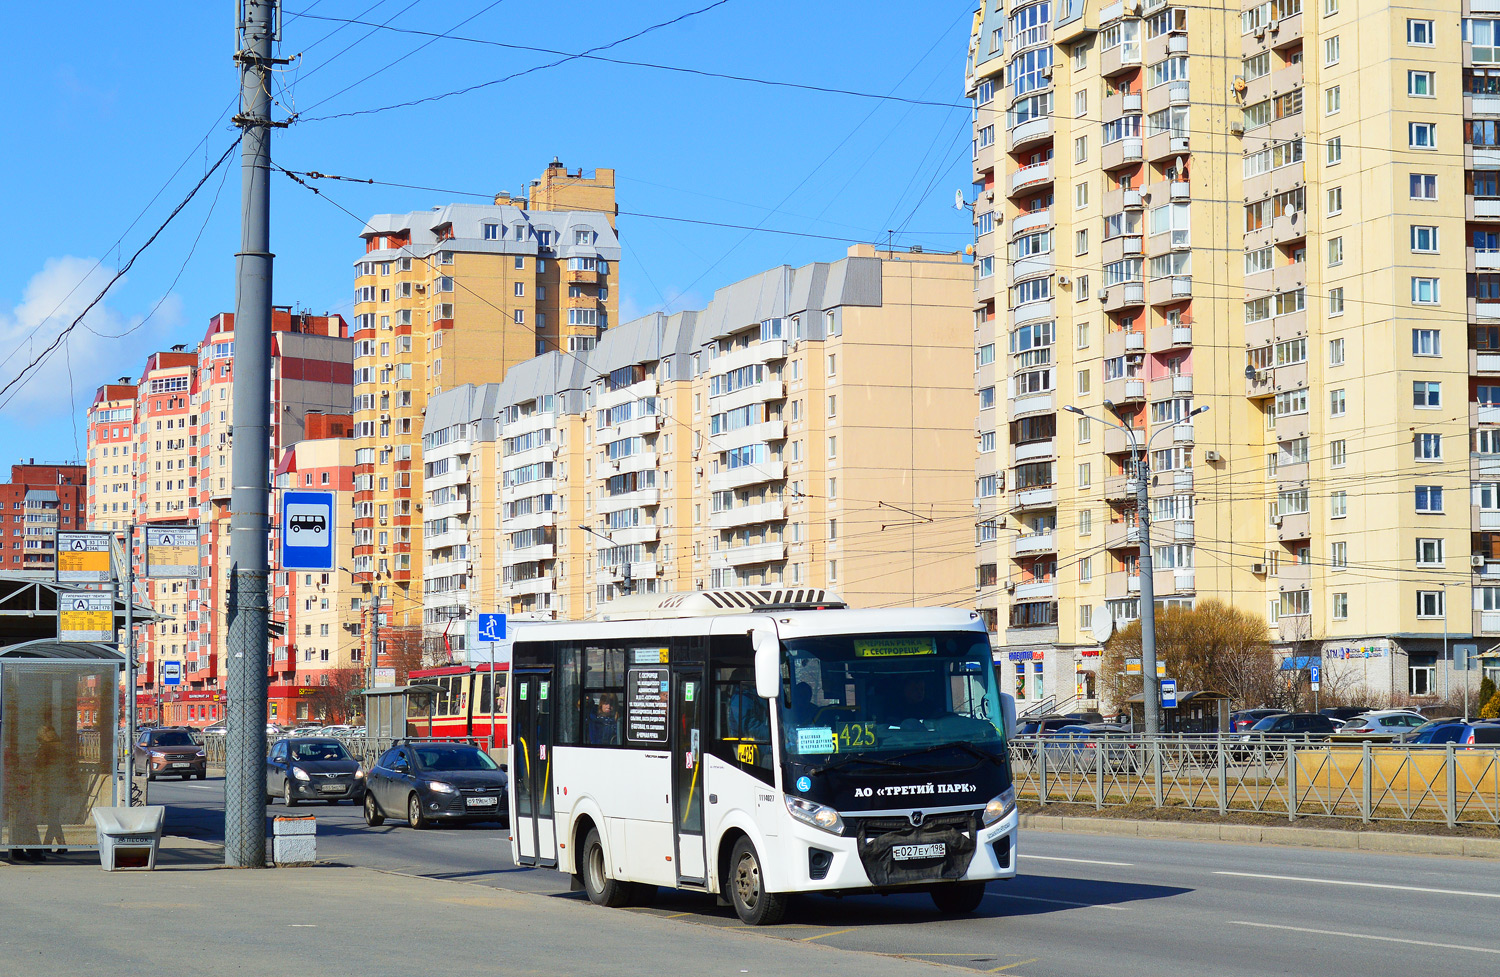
[(1482, 733), (1343, 713), (1291, 726), (431, 782), (1245, 718), (1044, 725), (313, 768)]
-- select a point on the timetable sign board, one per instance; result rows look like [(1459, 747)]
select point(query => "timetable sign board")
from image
[(172, 552), (83, 558), (85, 616)]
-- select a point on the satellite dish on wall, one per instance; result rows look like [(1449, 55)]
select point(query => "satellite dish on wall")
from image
[(958, 199), (1104, 624)]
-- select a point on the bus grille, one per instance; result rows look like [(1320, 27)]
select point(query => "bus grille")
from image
[(879, 837)]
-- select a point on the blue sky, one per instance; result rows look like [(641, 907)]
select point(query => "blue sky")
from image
[(107, 103)]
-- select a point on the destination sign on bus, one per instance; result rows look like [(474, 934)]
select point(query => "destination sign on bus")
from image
[(895, 647), (646, 705)]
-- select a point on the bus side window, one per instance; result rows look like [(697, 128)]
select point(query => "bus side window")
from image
[(741, 723), (569, 696)]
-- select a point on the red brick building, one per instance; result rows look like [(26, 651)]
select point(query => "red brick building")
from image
[(37, 502)]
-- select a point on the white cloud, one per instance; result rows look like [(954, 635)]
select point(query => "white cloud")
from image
[(98, 352), (676, 301)]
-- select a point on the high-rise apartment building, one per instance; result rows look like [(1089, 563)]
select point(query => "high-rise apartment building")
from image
[(159, 454), (1287, 216), (457, 295), (37, 502), (809, 427)]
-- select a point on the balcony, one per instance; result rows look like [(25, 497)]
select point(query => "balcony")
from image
[(1035, 590), (1030, 266), (1031, 311), (527, 588), (1122, 152), (441, 541), (1125, 390), (1117, 440), (1182, 480), (1034, 543), (1031, 220), (1176, 288), (748, 515), (635, 391), (531, 422), (1043, 449), (1484, 362), (766, 471), (1294, 525), (1484, 309), (1484, 208), (628, 536), (511, 493), (1170, 337), (1487, 622), (1119, 488), (1483, 260), (636, 426), (444, 510), (754, 553), (1034, 498), (625, 500), (760, 352), (1031, 176), (753, 434), (1180, 191), (532, 520), (1485, 520), (1031, 404), (1029, 132), (1184, 530), (1121, 534), (1124, 296), (1119, 585)]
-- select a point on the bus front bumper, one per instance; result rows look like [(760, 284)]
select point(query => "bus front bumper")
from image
[(819, 861)]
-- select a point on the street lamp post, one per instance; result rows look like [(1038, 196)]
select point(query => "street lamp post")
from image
[(1150, 685)]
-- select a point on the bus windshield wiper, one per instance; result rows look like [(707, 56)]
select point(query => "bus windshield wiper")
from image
[(844, 759), (967, 747)]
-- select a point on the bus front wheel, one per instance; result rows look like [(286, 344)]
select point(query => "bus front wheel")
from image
[(747, 888), (602, 890), (957, 897)]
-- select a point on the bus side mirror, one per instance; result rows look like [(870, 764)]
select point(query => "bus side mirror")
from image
[(767, 663), (1008, 713)]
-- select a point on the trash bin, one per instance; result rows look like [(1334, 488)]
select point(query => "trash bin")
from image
[(294, 841), (129, 836)]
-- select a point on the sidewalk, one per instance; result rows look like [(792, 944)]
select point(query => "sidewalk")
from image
[(67, 917)]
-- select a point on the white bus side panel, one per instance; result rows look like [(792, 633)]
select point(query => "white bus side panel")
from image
[(740, 804), (630, 790)]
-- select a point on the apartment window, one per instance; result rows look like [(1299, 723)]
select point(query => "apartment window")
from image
[(1424, 291), (1081, 242), (1426, 394), (1338, 555), (1080, 56), (987, 442), (1336, 302), (1331, 50), (1429, 498), (1335, 251), (1426, 342), (1419, 84), (1335, 352), (833, 405), (1338, 505), (1429, 552), (1335, 150), (1083, 335), (1338, 453), (1085, 522), (1081, 149), (986, 136), (1336, 201), (1085, 475), (1080, 103), (1262, 259), (520, 289), (520, 263), (1421, 135), (1424, 186), (1340, 607), (1419, 32), (1083, 382), (986, 92), (1081, 289), (1081, 194), (1085, 432), (1337, 404), (1427, 447), (1333, 100), (1424, 239)]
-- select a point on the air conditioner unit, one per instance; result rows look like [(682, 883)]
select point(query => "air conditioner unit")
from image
[(1259, 569), (1046, 74), (1236, 128), (1010, 587), (1211, 455), (1276, 520), (1103, 294), (1275, 27), (1133, 9), (1476, 560), (1260, 34), (990, 195), (1064, 280)]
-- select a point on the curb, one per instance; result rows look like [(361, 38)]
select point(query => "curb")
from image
[(1251, 834)]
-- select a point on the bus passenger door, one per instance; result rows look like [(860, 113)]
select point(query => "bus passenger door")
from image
[(688, 697), (536, 836)]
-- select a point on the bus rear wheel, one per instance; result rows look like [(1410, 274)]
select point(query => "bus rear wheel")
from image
[(957, 897), (747, 888), (602, 890)]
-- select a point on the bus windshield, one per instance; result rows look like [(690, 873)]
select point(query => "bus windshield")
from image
[(858, 694)]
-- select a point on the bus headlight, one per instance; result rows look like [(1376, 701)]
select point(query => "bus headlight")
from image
[(817, 815), (1000, 806)]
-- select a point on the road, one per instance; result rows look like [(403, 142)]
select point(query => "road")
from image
[(1081, 905)]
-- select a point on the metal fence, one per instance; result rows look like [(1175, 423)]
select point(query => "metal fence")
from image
[(365, 749), (1446, 784)]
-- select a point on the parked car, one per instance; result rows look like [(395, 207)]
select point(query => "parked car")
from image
[(1045, 724), (1482, 734), (1393, 725), (219, 729), (1245, 718), (1343, 713), (307, 768), (1437, 732), (169, 750), (1286, 726), (1084, 746), (430, 782)]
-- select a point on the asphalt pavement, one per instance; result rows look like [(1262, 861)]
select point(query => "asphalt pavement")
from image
[(1082, 904)]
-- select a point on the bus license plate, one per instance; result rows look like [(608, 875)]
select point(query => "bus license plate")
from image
[(906, 853), (481, 801)]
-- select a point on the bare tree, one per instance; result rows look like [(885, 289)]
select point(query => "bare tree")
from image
[(1210, 647), (340, 700), (402, 650)]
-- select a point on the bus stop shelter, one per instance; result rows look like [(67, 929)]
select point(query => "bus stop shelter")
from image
[(1196, 712), (399, 711)]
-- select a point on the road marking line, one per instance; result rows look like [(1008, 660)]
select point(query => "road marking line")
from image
[(1019, 963), (1055, 902), (1080, 861), (824, 936), (1367, 936), (677, 915), (1366, 885)]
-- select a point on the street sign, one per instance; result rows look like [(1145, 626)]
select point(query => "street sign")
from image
[(171, 673), (85, 616), (492, 627), (1315, 673), (384, 677), (307, 531), (1465, 657), (83, 558), (172, 552), (1133, 667), (1169, 693)]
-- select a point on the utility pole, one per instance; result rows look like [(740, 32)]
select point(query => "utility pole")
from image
[(129, 798), (250, 463), (1150, 683)]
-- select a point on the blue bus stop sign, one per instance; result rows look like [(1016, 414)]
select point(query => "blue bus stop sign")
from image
[(1169, 693), (492, 627), (307, 531)]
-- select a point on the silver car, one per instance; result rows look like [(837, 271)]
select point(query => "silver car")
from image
[(1395, 725)]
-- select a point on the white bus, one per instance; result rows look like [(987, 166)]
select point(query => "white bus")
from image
[(754, 743)]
